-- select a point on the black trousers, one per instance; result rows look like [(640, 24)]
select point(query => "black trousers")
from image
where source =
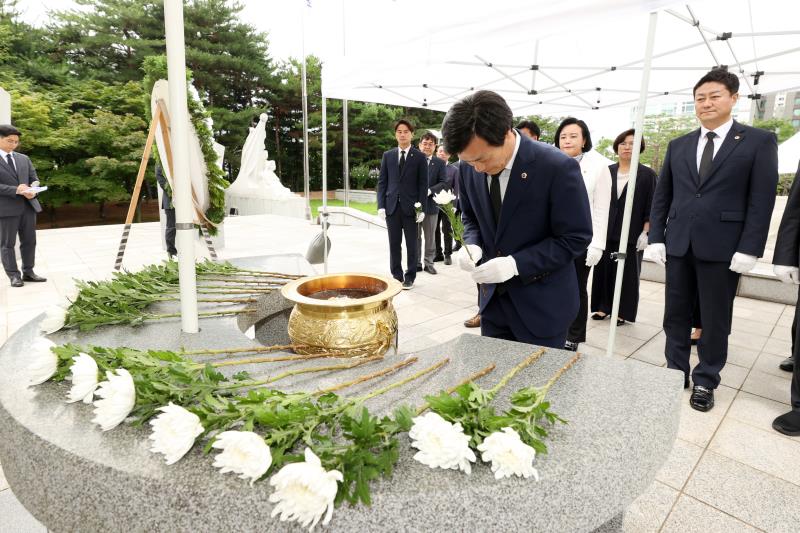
[(795, 387), (500, 320), (714, 285), (170, 231), (23, 225), (577, 331), (399, 225), (604, 278), (443, 227)]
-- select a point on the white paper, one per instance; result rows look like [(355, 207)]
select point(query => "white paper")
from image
[(37, 189)]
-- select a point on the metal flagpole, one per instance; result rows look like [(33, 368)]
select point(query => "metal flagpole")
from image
[(345, 128), (324, 185), (637, 142), (306, 184), (179, 133)]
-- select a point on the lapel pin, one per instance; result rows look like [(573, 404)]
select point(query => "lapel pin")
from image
[(524, 175), (736, 138)]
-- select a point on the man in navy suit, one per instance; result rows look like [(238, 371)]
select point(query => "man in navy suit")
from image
[(403, 182), (437, 181), (708, 223), (526, 218), (18, 208)]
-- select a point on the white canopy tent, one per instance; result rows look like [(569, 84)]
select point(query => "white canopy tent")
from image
[(789, 154), (583, 58)]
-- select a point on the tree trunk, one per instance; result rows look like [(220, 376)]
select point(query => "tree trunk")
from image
[(102, 210), (278, 144)]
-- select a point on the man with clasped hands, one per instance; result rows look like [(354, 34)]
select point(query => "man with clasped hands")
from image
[(526, 218), (708, 223), (403, 182)]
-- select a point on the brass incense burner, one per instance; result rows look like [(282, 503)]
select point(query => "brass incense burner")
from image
[(346, 315)]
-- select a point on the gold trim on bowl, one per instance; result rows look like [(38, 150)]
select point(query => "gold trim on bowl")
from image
[(359, 321)]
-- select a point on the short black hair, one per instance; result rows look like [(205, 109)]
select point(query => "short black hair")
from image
[(531, 126), (720, 75), (428, 136), (404, 122), (624, 135), (8, 129), (584, 131), (483, 114)]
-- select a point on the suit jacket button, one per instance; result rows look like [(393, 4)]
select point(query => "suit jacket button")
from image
[(697, 195)]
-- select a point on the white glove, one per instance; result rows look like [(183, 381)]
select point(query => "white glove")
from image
[(429, 192), (787, 274), (641, 242), (657, 252), (420, 217), (496, 270), (382, 214), (463, 260), (593, 256), (742, 263)]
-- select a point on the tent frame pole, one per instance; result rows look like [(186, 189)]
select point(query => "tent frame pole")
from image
[(626, 219)]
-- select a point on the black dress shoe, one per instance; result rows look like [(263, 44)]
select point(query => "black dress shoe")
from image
[(447, 260), (702, 398), (419, 268), (16, 281), (437, 258), (685, 382), (407, 285), (787, 364), (788, 423), (429, 269), (571, 346), (598, 316), (33, 277)]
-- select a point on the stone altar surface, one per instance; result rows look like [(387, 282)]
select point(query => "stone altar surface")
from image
[(623, 418)]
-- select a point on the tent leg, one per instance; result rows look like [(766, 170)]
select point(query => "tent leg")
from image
[(325, 184), (626, 219)]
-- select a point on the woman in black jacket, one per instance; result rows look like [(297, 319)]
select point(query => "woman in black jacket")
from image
[(606, 270)]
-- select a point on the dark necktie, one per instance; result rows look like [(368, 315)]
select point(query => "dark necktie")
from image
[(11, 162), (494, 194), (402, 160), (707, 157)]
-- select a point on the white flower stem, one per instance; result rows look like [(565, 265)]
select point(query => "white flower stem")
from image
[(250, 349), (477, 375), (202, 315), (368, 377), (560, 372), (304, 370), (513, 372), (402, 382)]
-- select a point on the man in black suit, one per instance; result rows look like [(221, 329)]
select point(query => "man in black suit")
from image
[(526, 218), (443, 225), (709, 223), (787, 261), (437, 181), (18, 208), (402, 183)]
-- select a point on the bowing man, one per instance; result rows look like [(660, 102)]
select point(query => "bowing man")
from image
[(526, 218)]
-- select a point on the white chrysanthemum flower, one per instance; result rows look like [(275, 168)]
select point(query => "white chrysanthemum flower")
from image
[(244, 453), (54, 319), (508, 454), (174, 432), (444, 197), (71, 294), (84, 378), (440, 443), (305, 491), (417, 205), (43, 363), (118, 397)]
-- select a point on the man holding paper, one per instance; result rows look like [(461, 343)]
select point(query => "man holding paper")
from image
[(18, 208)]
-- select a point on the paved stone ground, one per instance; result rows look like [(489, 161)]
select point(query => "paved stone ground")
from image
[(729, 471)]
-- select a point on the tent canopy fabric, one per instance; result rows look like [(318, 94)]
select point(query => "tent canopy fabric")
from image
[(555, 58), (789, 155)]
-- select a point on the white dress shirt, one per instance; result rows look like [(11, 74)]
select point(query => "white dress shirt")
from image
[(721, 132), (597, 179), (4, 155), (506, 172)]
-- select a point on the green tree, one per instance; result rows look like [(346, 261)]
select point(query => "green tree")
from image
[(659, 130), (782, 127)]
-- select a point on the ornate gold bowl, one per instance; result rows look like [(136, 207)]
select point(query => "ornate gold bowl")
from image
[(349, 314)]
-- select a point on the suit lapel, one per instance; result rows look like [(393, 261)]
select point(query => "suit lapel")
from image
[(732, 140), (691, 155), (515, 191)]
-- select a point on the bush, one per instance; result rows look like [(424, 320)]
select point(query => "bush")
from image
[(360, 176)]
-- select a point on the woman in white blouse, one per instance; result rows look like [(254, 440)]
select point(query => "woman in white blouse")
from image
[(572, 137)]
